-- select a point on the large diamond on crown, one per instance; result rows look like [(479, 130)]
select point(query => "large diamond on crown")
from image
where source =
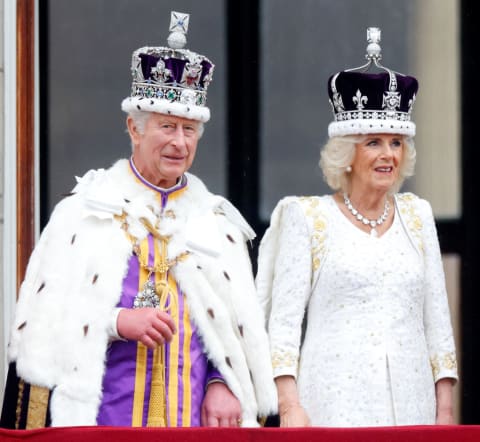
[(188, 97)]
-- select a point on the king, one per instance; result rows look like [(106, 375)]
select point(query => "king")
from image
[(139, 306)]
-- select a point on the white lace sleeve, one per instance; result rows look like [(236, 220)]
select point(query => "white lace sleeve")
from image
[(438, 329), (290, 290)]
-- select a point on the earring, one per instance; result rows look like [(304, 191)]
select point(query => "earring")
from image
[(348, 169)]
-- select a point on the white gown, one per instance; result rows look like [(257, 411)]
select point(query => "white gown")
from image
[(377, 319)]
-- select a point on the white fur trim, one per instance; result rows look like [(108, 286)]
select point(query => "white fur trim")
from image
[(202, 236), (363, 127), (222, 205), (161, 106)]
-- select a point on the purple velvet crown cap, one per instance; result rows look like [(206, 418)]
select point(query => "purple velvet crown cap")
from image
[(373, 87), (365, 102), (179, 71)]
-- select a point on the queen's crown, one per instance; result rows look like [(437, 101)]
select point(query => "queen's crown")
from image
[(364, 102)]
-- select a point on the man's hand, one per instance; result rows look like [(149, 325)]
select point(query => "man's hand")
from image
[(220, 408), (150, 326)]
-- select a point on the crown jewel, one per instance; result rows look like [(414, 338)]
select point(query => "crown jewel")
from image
[(371, 103), (171, 79), (374, 51)]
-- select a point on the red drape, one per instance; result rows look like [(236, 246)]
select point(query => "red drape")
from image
[(454, 433)]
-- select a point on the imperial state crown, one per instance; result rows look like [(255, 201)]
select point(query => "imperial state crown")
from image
[(170, 80)]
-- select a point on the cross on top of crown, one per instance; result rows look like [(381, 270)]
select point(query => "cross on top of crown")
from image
[(179, 22)]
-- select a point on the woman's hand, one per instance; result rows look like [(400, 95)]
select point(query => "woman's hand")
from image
[(291, 412), (150, 326), (220, 407), (444, 417), (444, 396), (294, 415)]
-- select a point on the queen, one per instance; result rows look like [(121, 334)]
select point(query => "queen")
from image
[(352, 283)]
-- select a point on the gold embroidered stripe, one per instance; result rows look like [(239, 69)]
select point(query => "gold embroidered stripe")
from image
[(173, 399), (187, 366), (37, 407), (141, 367)]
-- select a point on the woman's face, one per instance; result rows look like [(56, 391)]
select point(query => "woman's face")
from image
[(377, 161)]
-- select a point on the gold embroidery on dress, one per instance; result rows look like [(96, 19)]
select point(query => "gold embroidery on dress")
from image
[(435, 366), (446, 361), (414, 222), (319, 234), (284, 359), (450, 361)]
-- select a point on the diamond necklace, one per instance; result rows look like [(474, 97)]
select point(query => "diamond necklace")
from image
[(368, 222)]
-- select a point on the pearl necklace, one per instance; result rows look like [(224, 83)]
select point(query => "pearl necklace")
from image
[(372, 223)]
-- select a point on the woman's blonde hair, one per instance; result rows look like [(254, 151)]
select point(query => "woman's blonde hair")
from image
[(339, 153)]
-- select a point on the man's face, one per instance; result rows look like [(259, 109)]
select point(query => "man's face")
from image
[(165, 149)]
